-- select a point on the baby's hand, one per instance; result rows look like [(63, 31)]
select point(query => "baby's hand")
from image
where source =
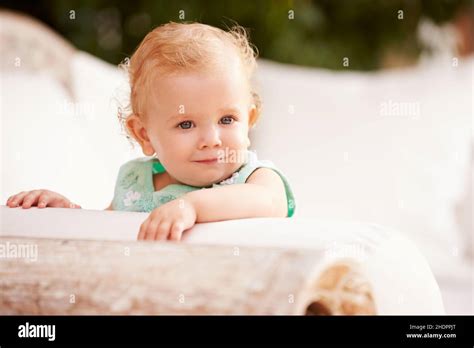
[(168, 221), (41, 198)]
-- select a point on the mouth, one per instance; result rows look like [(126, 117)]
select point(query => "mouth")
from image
[(208, 161)]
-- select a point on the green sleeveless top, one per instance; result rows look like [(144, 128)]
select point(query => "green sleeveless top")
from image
[(134, 189)]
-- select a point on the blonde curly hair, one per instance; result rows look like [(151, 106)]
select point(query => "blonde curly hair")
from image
[(176, 47)]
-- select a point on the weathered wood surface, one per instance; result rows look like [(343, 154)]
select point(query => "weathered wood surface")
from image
[(107, 277)]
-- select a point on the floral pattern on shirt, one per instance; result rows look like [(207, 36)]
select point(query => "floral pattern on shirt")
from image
[(130, 197)]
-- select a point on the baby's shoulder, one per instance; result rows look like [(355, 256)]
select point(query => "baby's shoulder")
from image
[(134, 172), (136, 164), (138, 161)]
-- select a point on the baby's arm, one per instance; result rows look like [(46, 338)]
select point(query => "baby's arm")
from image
[(43, 199), (40, 198), (263, 195)]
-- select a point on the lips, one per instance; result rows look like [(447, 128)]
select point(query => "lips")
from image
[(207, 160)]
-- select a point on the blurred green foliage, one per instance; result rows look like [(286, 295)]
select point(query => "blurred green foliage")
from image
[(321, 34)]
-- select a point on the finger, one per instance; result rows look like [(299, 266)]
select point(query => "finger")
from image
[(60, 202), (176, 232), (152, 229), (163, 231), (44, 199), (30, 199), (142, 231), (9, 200), (18, 199)]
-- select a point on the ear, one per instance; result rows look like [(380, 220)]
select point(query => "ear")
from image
[(253, 115), (138, 131)]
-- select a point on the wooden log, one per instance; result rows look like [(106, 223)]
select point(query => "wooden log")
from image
[(107, 277)]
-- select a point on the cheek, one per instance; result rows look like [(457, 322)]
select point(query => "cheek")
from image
[(160, 143), (236, 137), (172, 147)]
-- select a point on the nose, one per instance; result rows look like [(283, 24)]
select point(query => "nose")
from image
[(210, 138)]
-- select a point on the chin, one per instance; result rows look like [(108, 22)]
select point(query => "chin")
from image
[(208, 180), (209, 176)]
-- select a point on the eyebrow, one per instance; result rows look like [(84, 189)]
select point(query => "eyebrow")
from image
[(224, 110)]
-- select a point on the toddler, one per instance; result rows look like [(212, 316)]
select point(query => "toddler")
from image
[(191, 108)]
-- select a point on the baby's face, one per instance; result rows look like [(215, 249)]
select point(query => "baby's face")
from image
[(197, 116)]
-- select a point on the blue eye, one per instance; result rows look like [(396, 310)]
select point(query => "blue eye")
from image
[(185, 125), (227, 120)]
